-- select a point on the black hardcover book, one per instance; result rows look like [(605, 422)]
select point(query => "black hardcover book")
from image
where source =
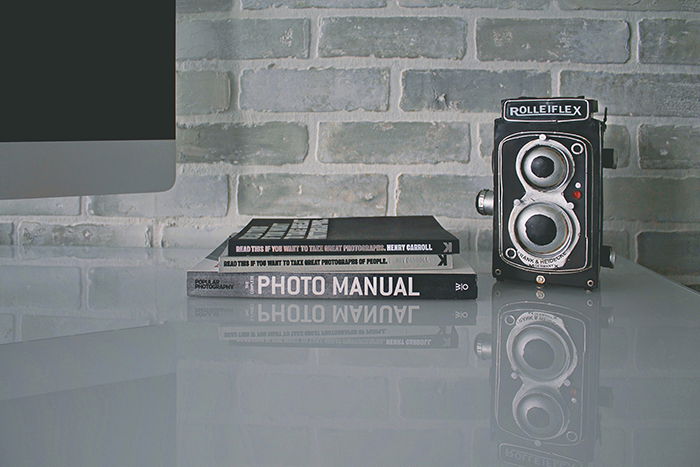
[(343, 236), (204, 280)]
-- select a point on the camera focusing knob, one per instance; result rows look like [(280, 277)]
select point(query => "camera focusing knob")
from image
[(484, 202)]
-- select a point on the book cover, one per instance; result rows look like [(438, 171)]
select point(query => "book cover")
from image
[(204, 280), (394, 235), (335, 263)]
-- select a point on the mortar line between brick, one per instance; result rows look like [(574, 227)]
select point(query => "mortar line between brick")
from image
[(472, 52), (390, 10), (635, 41), (392, 195), (314, 36)]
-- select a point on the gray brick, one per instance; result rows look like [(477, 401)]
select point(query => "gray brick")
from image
[(315, 90), (39, 234), (55, 288), (519, 4), (617, 137), (431, 37), (615, 450), (196, 236), (679, 446), (637, 93), (631, 5), (671, 41), (203, 92), (68, 206), (669, 147), (283, 395), (668, 348), (200, 6), (200, 388), (484, 240), (615, 348), (440, 195), (122, 288), (192, 196), (553, 40), (6, 230), (652, 199), (273, 143), (468, 90), (394, 143), (45, 327), (407, 446), (655, 398), (670, 252), (202, 348), (243, 39), (206, 443), (310, 195), (619, 240), (443, 399), (7, 328), (486, 140), (261, 4)]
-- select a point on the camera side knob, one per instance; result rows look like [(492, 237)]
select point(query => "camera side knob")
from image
[(484, 202), (483, 346), (607, 256), (609, 159)]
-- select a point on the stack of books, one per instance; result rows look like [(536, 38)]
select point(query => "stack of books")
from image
[(403, 257)]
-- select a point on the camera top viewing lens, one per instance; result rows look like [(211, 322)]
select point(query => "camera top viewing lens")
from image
[(545, 167), (542, 167)]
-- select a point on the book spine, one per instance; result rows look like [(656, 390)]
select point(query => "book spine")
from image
[(335, 263), (332, 285), (238, 247)]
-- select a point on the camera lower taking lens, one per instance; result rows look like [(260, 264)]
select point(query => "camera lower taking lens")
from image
[(541, 414), (543, 229)]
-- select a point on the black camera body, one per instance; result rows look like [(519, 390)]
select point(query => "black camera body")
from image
[(545, 357), (547, 201)]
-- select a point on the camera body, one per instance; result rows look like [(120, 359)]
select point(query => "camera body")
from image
[(547, 201)]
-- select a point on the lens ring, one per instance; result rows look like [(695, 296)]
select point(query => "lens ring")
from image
[(540, 352), (540, 414), (543, 229), (545, 164)]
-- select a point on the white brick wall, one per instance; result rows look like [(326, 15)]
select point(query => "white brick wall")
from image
[(354, 107)]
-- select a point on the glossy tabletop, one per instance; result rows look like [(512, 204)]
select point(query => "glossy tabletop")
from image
[(105, 362)]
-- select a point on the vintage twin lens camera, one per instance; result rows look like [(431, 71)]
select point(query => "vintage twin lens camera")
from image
[(547, 201)]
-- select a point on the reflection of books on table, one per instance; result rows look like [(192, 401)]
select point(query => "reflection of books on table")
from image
[(345, 336), (263, 312), (328, 323)]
